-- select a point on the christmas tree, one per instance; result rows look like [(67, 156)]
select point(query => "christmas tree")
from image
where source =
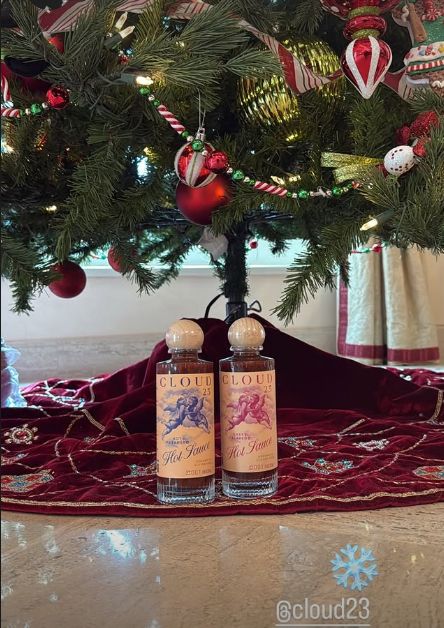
[(147, 128)]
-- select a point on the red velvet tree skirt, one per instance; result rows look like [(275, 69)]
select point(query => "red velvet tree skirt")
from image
[(350, 437)]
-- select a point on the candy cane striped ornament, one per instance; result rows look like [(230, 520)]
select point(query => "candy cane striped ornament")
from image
[(171, 119), (276, 190), (10, 112)]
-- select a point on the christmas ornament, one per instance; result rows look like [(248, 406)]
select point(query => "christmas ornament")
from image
[(270, 102), (72, 282), (423, 124), (399, 160), (217, 162), (215, 245), (58, 41), (198, 204), (365, 63), (366, 59), (190, 162), (57, 97), (253, 244), (424, 63), (114, 260)]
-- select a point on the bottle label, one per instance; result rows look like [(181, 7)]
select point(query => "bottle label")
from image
[(248, 421), (185, 425)]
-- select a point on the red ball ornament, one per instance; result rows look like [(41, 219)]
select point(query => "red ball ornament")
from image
[(253, 244), (58, 42), (198, 204), (377, 248), (189, 165), (71, 284), (57, 97), (114, 260), (365, 63), (217, 162)]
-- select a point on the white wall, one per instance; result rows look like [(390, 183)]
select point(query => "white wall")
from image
[(109, 325), (110, 305)]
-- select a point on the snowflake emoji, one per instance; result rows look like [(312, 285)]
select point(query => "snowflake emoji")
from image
[(356, 569)]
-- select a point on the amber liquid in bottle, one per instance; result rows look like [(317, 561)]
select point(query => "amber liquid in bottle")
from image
[(248, 423), (185, 428)]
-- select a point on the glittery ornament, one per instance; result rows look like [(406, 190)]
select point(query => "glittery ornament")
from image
[(365, 63), (424, 123), (399, 160), (57, 97), (217, 162)]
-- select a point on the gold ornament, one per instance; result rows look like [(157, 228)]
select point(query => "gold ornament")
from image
[(270, 102)]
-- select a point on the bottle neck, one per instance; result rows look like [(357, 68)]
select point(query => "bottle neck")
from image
[(184, 355), (246, 352)]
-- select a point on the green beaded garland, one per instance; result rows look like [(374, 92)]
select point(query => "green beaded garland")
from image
[(156, 102), (144, 91), (289, 194), (303, 194), (252, 182), (197, 145), (238, 175), (184, 134), (36, 108), (337, 191)]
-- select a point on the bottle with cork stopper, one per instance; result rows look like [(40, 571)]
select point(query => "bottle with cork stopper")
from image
[(185, 419), (248, 414)]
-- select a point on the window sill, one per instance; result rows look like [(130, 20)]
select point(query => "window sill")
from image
[(188, 271)]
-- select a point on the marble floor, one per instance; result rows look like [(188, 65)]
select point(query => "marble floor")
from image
[(221, 572)]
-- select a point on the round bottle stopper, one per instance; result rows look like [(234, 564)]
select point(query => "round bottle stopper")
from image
[(184, 335), (246, 333)]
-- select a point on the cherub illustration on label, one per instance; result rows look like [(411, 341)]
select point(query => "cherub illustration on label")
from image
[(186, 412), (249, 409)]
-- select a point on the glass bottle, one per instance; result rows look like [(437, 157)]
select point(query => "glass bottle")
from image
[(185, 419), (248, 414)]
